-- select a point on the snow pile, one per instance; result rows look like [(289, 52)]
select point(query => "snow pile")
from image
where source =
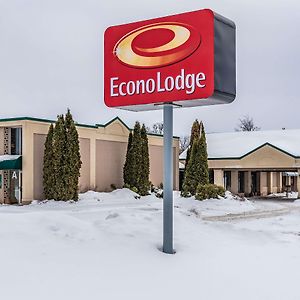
[(6, 157), (214, 207), (116, 194), (297, 202)]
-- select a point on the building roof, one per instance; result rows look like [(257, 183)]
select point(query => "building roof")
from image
[(77, 124), (236, 145)]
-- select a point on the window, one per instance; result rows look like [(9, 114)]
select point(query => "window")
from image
[(16, 141), (0, 181)]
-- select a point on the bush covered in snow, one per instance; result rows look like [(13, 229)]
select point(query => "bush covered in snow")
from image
[(207, 191)]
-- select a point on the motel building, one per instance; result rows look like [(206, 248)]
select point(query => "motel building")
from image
[(102, 148), (256, 163)]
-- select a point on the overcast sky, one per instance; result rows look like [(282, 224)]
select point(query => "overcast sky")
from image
[(51, 58)]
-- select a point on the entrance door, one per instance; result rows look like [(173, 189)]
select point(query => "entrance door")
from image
[(255, 180), (15, 187)]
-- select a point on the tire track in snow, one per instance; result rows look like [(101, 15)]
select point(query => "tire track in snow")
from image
[(256, 214)]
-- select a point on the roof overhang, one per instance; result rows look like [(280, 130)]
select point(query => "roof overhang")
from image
[(10, 162)]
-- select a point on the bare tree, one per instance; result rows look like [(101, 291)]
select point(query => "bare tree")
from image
[(157, 128), (246, 124), (184, 142)]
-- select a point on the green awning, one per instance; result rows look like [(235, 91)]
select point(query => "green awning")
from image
[(10, 162)]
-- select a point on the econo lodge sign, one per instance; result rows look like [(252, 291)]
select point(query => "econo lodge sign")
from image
[(186, 59)]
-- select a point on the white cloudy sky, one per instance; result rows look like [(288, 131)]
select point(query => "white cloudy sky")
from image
[(51, 59)]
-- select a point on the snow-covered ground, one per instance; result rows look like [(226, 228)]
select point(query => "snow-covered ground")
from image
[(291, 195), (106, 247)]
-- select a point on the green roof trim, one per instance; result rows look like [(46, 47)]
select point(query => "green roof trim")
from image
[(77, 124), (161, 135), (111, 121), (41, 120), (26, 119), (252, 151), (11, 164)]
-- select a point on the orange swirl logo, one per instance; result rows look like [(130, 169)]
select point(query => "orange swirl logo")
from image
[(157, 45)]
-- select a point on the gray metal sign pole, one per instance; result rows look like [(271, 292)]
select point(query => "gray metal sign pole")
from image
[(168, 180)]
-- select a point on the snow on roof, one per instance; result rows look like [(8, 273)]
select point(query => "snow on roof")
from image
[(237, 144), (8, 157), (181, 165)]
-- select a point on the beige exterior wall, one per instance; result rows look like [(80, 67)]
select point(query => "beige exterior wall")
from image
[(264, 158), (156, 154), (38, 154), (110, 159), (103, 152), (263, 184), (219, 177), (85, 174), (248, 182), (279, 182), (234, 182)]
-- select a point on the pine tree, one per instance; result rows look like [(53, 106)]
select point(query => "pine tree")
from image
[(145, 164), (196, 171), (195, 134), (59, 159), (192, 173), (48, 167), (72, 158), (204, 174), (128, 166), (137, 156)]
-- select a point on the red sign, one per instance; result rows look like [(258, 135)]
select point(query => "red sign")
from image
[(168, 59)]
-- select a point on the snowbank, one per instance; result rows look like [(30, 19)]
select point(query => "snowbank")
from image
[(106, 246)]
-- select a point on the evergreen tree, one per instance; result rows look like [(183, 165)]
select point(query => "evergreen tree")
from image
[(196, 171), (195, 134), (145, 164), (62, 162), (48, 167), (137, 156), (204, 174), (72, 158), (128, 166), (192, 171), (59, 159)]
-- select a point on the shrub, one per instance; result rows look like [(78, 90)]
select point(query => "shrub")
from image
[(126, 186), (157, 190), (152, 187), (159, 194), (207, 191), (113, 186), (185, 194), (134, 189)]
